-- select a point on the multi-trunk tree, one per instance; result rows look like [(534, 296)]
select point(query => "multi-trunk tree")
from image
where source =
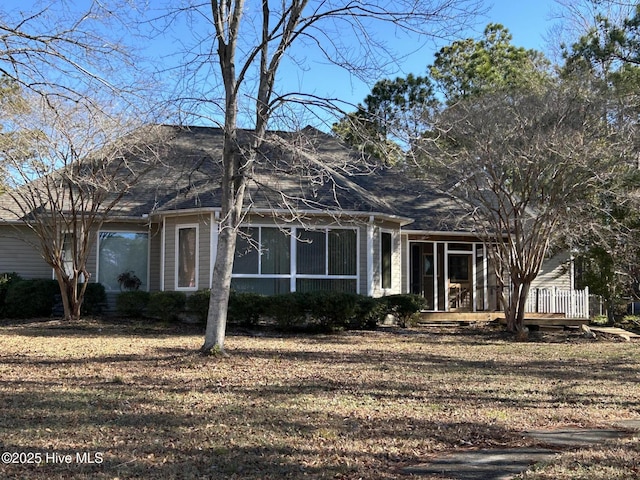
[(526, 154), (67, 166), (71, 110), (526, 165)]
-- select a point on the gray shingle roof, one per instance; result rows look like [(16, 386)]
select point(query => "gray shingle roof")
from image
[(303, 171)]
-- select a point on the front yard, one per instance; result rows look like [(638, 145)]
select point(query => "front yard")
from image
[(127, 400)]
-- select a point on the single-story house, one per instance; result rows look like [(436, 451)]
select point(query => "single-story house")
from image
[(317, 217)]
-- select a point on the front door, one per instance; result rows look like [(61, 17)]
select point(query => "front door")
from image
[(460, 283)]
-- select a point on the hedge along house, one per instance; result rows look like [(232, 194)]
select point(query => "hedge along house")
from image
[(317, 217)]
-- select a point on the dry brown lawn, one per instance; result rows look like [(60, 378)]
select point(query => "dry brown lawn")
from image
[(140, 402)]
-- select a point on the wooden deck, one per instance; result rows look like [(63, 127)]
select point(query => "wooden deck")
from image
[(540, 320)]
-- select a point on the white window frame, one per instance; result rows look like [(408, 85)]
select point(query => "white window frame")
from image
[(393, 251), (185, 226), (120, 230), (293, 268)]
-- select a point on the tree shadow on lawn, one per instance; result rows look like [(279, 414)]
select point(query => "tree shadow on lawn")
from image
[(89, 327), (269, 441)]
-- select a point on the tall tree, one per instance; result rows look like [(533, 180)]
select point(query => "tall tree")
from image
[(605, 60), (395, 113), (471, 67), (250, 43), (524, 164)]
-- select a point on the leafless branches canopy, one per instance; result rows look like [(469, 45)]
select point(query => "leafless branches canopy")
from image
[(526, 164), (67, 166), (250, 45)]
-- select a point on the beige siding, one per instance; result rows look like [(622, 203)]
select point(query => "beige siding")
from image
[(204, 248), (155, 256), (404, 263), (19, 254), (363, 285)]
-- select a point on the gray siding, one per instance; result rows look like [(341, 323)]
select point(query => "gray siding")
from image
[(155, 249), (18, 253), (555, 272)]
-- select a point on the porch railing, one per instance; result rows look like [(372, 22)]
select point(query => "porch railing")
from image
[(572, 303)]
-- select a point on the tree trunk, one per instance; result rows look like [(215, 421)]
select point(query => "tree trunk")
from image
[(515, 310), (220, 290)]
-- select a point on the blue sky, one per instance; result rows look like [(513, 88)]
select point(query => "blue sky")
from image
[(527, 20)]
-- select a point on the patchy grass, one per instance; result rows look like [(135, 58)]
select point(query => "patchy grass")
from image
[(140, 401)]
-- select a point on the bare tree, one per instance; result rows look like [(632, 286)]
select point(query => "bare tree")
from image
[(526, 166), (67, 167), (245, 45), (55, 47)]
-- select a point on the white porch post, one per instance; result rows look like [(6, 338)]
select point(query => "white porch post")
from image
[(370, 234), (586, 302), (446, 276), (293, 266), (436, 270)]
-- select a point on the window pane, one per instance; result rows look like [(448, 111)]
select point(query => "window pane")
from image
[(326, 285), (385, 259), (310, 251), (120, 252), (263, 286), (247, 255), (275, 251), (342, 252), (187, 257)]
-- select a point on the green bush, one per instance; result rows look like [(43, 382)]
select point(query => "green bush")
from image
[(132, 304), (198, 304), (331, 311), (30, 298), (405, 307), (288, 310), (95, 298), (369, 312), (323, 311), (245, 308), (6, 279), (167, 306)]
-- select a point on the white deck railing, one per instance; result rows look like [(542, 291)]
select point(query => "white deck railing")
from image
[(572, 303)]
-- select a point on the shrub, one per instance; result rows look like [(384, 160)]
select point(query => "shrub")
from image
[(288, 310), (132, 304), (331, 311), (369, 312), (30, 298), (6, 279), (198, 304), (166, 306), (405, 307), (322, 311), (95, 299), (246, 308)]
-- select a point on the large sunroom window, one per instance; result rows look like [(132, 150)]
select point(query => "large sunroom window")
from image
[(272, 260), (120, 252), (327, 260)]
